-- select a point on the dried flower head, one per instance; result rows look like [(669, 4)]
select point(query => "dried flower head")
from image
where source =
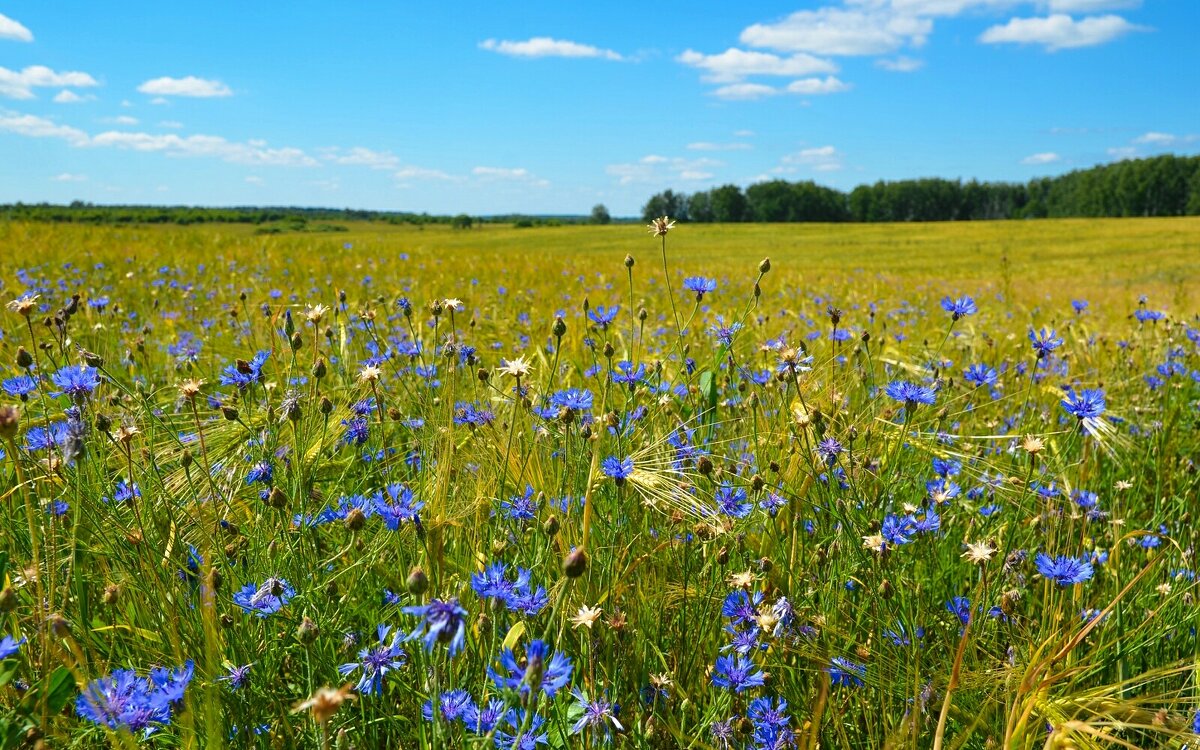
[(326, 701), (660, 226), (1033, 445), (24, 305), (586, 617)]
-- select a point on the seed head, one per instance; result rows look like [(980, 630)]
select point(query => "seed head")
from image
[(660, 226)]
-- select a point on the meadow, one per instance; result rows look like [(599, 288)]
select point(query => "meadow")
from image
[(704, 486)]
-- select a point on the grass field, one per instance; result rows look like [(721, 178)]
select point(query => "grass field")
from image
[(901, 486)]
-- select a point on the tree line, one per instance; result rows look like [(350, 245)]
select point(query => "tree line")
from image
[(1159, 186)]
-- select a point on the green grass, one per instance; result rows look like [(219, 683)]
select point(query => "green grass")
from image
[(108, 584)]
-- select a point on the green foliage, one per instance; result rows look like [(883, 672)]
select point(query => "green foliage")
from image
[(1158, 186)]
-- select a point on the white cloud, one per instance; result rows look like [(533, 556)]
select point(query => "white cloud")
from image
[(253, 152), (744, 91), (1059, 31), (171, 124), (660, 170), (66, 96), (254, 179), (1047, 157), (160, 100), (365, 157), (68, 177), (1165, 139), (410, 172), (505, 174), (188, 86), (544, 46), (1121, 153), (121, 120), (743, 134), (32, 126), (734, 64), (1089, 6), (827, 85), (14, 30), (818, 158), (706, 146), (901, 64), (20, 84), (840, 31)]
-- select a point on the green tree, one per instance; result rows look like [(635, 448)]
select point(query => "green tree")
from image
[(600, 214)]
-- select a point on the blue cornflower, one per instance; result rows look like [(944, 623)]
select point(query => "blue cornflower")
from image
[(261, 472), (482, 719), (700, 286), (125, 492), (1086, 404), (1080, 305), (722, 733), (737, 673), (625, 372), (550, 671), (491, 583), (1044, 341), (244, 374), (742, 607), (472, 414), (123, 700), (524, 598), (573, 399), (9, 646), (397, 505), (78, 382), (1085, 499), (911, 394), (452, 705), (603, 316), (724, 334), (1062, 569), (617, 468), (829, 449), (20, 386), (843, 672), (960, 607), (236, 676), (980, 375), (264, 600), (376, 661), (357, 431), (960, 307), (529, 739), (442, 622), (598, 715), (771, 723), (898, 530), (732, 501), (521, 507)]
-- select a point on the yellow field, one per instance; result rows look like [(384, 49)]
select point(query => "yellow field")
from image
[(1048, 259)]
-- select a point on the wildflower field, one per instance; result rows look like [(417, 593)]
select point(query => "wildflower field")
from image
[(903, 486)]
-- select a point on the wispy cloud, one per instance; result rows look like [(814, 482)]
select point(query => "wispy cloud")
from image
[(33, 126), (364, 157), (1046, 157), (744, 92), (803, 87), (66, 96), (826, 85), (20, 84), (68, 177), (1154, 138), (506, 174), (14, 30), (544, 46), (1060, 31), (657, 169), (706, 146), (841, 31), (901, 64), (818, 159), (190, 86), (735, 65)]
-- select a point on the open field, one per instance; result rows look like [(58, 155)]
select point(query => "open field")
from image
[(928, 485)]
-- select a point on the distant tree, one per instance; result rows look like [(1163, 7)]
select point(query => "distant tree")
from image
[(462, 221), (600, 214), (666, 203), (728, 204)]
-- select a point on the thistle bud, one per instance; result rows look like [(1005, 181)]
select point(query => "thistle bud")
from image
[(185, 458), (575, 563), (559, 329), (886, 590), (58, 625), (355, 519), (276, 498), (326, 406), (230, 413), (642, 314), (765, 265), (297, 341), (10, 421), (704, 465), (417, 582), (629, 261), (723, 556), (550, 527), (482, 374), (307, 631), (756, 483), (24, 358), (111, 594), (8, 599), (608, 350)]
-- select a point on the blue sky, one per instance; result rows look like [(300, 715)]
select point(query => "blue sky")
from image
[(551, 107)]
